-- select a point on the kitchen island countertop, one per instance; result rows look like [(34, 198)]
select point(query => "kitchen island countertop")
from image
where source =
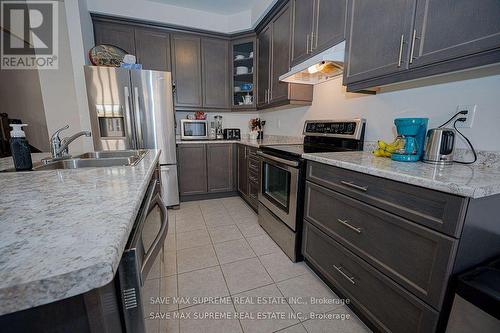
[(474, 181), (63, 231)]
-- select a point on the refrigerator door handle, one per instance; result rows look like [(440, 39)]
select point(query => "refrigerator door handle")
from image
[(140, 139), (128, 120)]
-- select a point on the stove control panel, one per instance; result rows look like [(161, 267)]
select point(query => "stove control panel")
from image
[(351, 129)]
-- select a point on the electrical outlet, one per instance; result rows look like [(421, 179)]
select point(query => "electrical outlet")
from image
[(470, 115)]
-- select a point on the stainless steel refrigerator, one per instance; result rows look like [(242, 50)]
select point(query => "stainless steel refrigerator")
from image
[(133, 109)]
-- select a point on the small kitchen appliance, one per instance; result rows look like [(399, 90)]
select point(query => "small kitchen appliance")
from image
[(232, 134), (412, 132), (439, 146), (194, 129), (219, 133)]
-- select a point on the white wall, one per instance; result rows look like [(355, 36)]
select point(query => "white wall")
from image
[(22, 99), (87, 29), (164, 13), (63, 90), (260, 9), (438, 102)]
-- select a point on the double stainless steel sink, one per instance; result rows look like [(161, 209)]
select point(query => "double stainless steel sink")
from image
[(94, 160)]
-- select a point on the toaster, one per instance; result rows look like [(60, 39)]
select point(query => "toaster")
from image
[(232, 134)]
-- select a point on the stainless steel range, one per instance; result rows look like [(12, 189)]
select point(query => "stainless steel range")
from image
[(281, 196)]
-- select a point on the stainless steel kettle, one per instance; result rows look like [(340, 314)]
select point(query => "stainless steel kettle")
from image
[(439, 146)]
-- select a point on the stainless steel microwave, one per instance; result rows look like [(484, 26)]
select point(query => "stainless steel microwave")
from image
[(193, 129)]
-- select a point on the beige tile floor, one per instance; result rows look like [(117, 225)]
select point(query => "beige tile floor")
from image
[(218, 261)]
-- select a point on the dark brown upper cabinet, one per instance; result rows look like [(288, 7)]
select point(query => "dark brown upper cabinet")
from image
[(116, 34), (215, 73), (379, 36), (186, 69), (263, 78), (330, 24), (302, 11), (280, 62), (153, 49), (316, 25), (274, 60), (399, 40), (454, 28)]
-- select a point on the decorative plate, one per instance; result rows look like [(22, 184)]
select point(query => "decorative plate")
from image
[(106, 55)]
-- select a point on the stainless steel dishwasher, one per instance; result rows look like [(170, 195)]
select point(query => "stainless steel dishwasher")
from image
[(144, 245)]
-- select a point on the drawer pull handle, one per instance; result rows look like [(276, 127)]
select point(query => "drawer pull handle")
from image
[(345, 223), (339, 269), (357, 187)]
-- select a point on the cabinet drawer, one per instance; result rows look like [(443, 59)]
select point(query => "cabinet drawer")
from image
[(414, 256), (383, 302), (253, 164), (253, 176), (440, 211), (252, 151), (253, 191)]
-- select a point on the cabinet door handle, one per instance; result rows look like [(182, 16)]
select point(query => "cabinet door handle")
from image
[(312, 42), (413, 45), (346, 223), (357, 187), (348, 278), (400, 58), (307, 44)]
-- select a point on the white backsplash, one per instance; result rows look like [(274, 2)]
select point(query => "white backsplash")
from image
[(437, 101)]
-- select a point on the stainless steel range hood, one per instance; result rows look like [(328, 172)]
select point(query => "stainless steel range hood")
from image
[(320, 68)]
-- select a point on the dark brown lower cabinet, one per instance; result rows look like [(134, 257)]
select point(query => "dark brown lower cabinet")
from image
[(406, 245), (249, 175), (206, 169), (192, 164), (387, 305), (392, 248), (242, 170), (220, 165)]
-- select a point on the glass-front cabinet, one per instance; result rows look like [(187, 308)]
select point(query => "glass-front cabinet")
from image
[(244, 76)]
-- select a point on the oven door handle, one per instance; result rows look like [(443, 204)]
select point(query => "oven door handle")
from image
[(157, 245), (278, 159)]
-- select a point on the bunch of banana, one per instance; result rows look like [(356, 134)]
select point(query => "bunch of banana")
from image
[(386, 149)]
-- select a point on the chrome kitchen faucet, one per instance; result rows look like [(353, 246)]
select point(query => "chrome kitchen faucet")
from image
[(59, 148)]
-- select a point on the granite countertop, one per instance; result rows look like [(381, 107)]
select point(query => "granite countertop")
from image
[(268, 140), (63, 231), (474, 181)]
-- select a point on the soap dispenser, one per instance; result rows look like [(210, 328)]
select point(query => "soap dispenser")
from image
[(20, 148)]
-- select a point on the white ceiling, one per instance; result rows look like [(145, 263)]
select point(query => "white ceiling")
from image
[(224, 7)]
